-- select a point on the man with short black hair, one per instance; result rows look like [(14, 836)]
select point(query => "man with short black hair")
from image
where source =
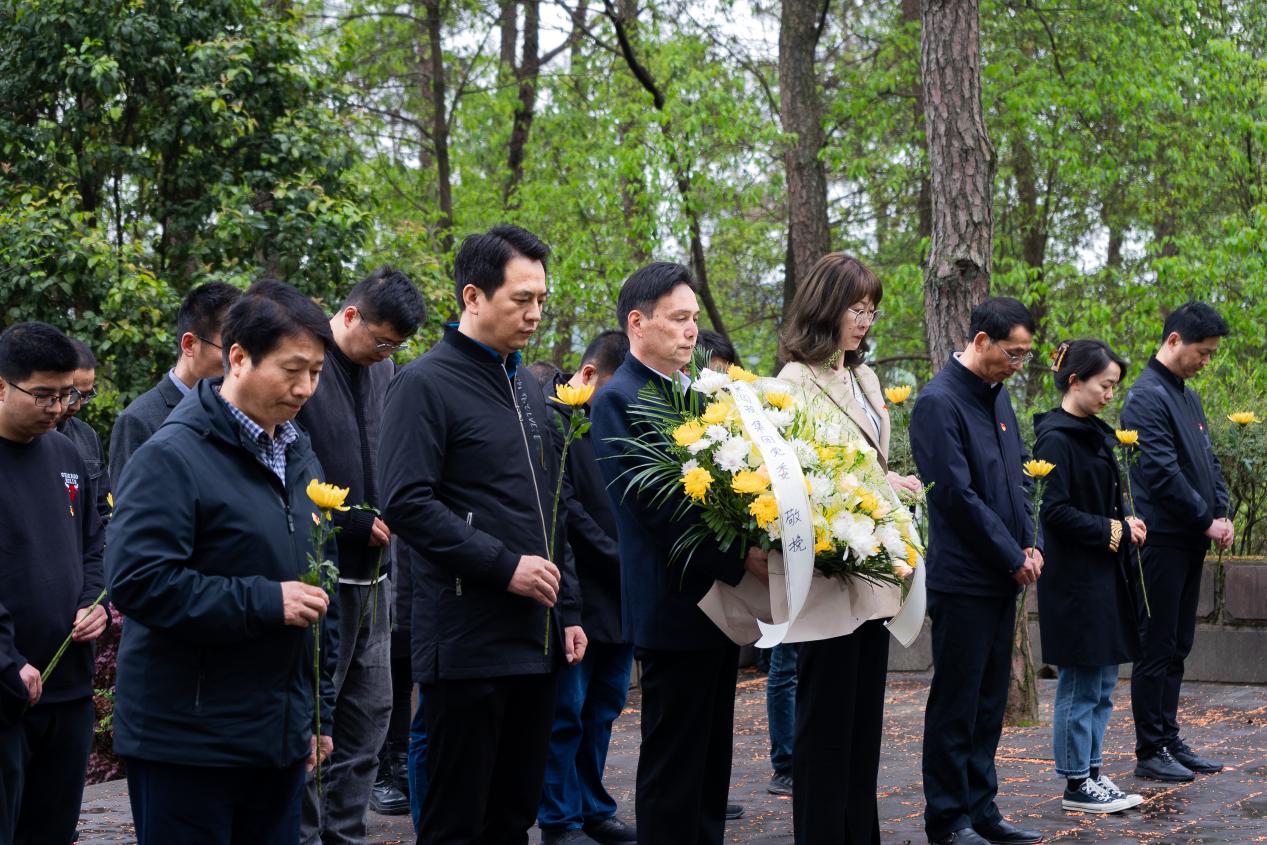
[(211, 535), (1180, 493), (201, 356), (50, 565), (721, 352), (344, 418), (982, 548), (84, 436), (689, 667), (468, 482)]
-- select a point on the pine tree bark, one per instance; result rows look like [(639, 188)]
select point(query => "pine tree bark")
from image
[(434, 78), (961, 165), (809, 236)]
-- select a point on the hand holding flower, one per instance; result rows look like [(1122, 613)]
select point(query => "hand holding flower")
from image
[(303, 604), (535, 578), (1139, 531), (326, 746), (90, 623)]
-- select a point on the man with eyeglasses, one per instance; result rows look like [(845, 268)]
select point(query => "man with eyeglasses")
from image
[(200, 356), (344, 418), (51, 573), (967, 445), (84, 436)]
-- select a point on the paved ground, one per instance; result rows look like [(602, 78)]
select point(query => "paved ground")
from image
[(1228, 722)]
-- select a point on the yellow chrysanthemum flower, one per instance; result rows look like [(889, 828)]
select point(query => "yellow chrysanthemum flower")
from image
[(738, 373), (898, 395), (1127, 436), (867, 502), (779, 399), (749, 482), (1243, 417), (688, 432), (827, 454), (716, 413), (765, 509), (328, 497), (697, 482), (566, 394), (912, 555), (822, 541), (1038, 469)]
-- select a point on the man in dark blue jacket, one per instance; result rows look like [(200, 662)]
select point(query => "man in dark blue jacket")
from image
[(469, 475), (689, 667), (967, 445), (214, 711), (1179, 489), (575, 806)]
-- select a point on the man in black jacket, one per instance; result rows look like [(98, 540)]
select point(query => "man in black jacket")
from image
[(1180, 494), (212, 531), (198, 331), (967, 445), (344, 418), (468, 479), (689, 667), (575, 806), (50, 569)]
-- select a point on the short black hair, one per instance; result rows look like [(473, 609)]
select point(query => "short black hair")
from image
[(998, 316), (642, 290), (87, 361), (1194, 321), (32, 347), (717, 346), (203, 309), (482, 258), (1084, 359), (389, 296), (607, 352), (268, 312), (545, 372)]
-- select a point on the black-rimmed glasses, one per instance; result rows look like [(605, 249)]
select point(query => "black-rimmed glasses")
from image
[(43, 400)]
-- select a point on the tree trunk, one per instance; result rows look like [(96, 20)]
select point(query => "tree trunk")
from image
[(924, 199), (801, 113), (1022, 687), (961, 165), (433, 18), (526, 73)]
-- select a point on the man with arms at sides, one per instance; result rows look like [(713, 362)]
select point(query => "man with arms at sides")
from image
[(50, 569), (198, 333), (967, 445), (575, 806), (1180, 493), (689, 666), (344, 419), (84, 436), (469, 474), (211, 534)]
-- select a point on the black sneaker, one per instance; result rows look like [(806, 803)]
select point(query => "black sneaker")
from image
[(1106, 783), (734, 811), (1192, 760), (1090, 797), (780, 784), (1164, 767)]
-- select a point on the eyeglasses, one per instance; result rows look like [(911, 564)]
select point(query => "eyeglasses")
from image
[(1013, 359), (209, 342), (381, 345), (43, 400), (78, 397), (863, 317)]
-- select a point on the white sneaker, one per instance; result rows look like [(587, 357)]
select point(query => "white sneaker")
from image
[(1091, 798), (1106, 783)]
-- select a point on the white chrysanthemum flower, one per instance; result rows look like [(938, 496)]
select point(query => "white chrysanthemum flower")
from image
[(820, 487), (699, 445), (775, 530), (689, 465), (805, 452), (891, 539), (733, 454), (831, 434), (781, 419), (710, 381), (719, 433)]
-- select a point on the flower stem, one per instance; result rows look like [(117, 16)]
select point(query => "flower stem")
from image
[(1139, 558), (52, 664), (554, 513), (316, 698)]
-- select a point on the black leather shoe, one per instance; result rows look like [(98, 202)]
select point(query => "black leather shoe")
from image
[(612, 831), (566, 837), (966, 836), (1164, 767), (1190, 759), (1004, 832), (385, 798), (734, 811)]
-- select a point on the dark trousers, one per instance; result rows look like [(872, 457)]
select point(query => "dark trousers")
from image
[(210, 805), (591, 695), (11, 747), (57, 739), (688, 714), (1173, 579), (486, 758), (972, 655), (839, 722)]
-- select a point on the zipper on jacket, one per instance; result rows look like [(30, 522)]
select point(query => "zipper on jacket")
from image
[(545, 535), (457, 580)]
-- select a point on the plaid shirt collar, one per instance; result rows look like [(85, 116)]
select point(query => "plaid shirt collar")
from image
[(272, 449)]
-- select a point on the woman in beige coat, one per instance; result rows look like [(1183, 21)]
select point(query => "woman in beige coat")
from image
[(840, 689)]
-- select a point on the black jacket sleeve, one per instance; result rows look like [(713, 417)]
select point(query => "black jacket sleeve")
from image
[(94, 540), (1157, 463), (127, 435)]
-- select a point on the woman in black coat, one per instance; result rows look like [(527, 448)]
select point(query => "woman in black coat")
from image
[(1085, 595)]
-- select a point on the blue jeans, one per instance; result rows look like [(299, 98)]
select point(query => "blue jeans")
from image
[(780, 706), (1084, 701), (591, 696), (417, 763)]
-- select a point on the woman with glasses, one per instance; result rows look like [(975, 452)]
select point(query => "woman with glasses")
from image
[(840, 691), (1086, 595)]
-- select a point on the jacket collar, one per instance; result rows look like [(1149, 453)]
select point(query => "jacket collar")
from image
[(169, 391), (970, 381), (1058, 419), (480, 353), (1166, 375)]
